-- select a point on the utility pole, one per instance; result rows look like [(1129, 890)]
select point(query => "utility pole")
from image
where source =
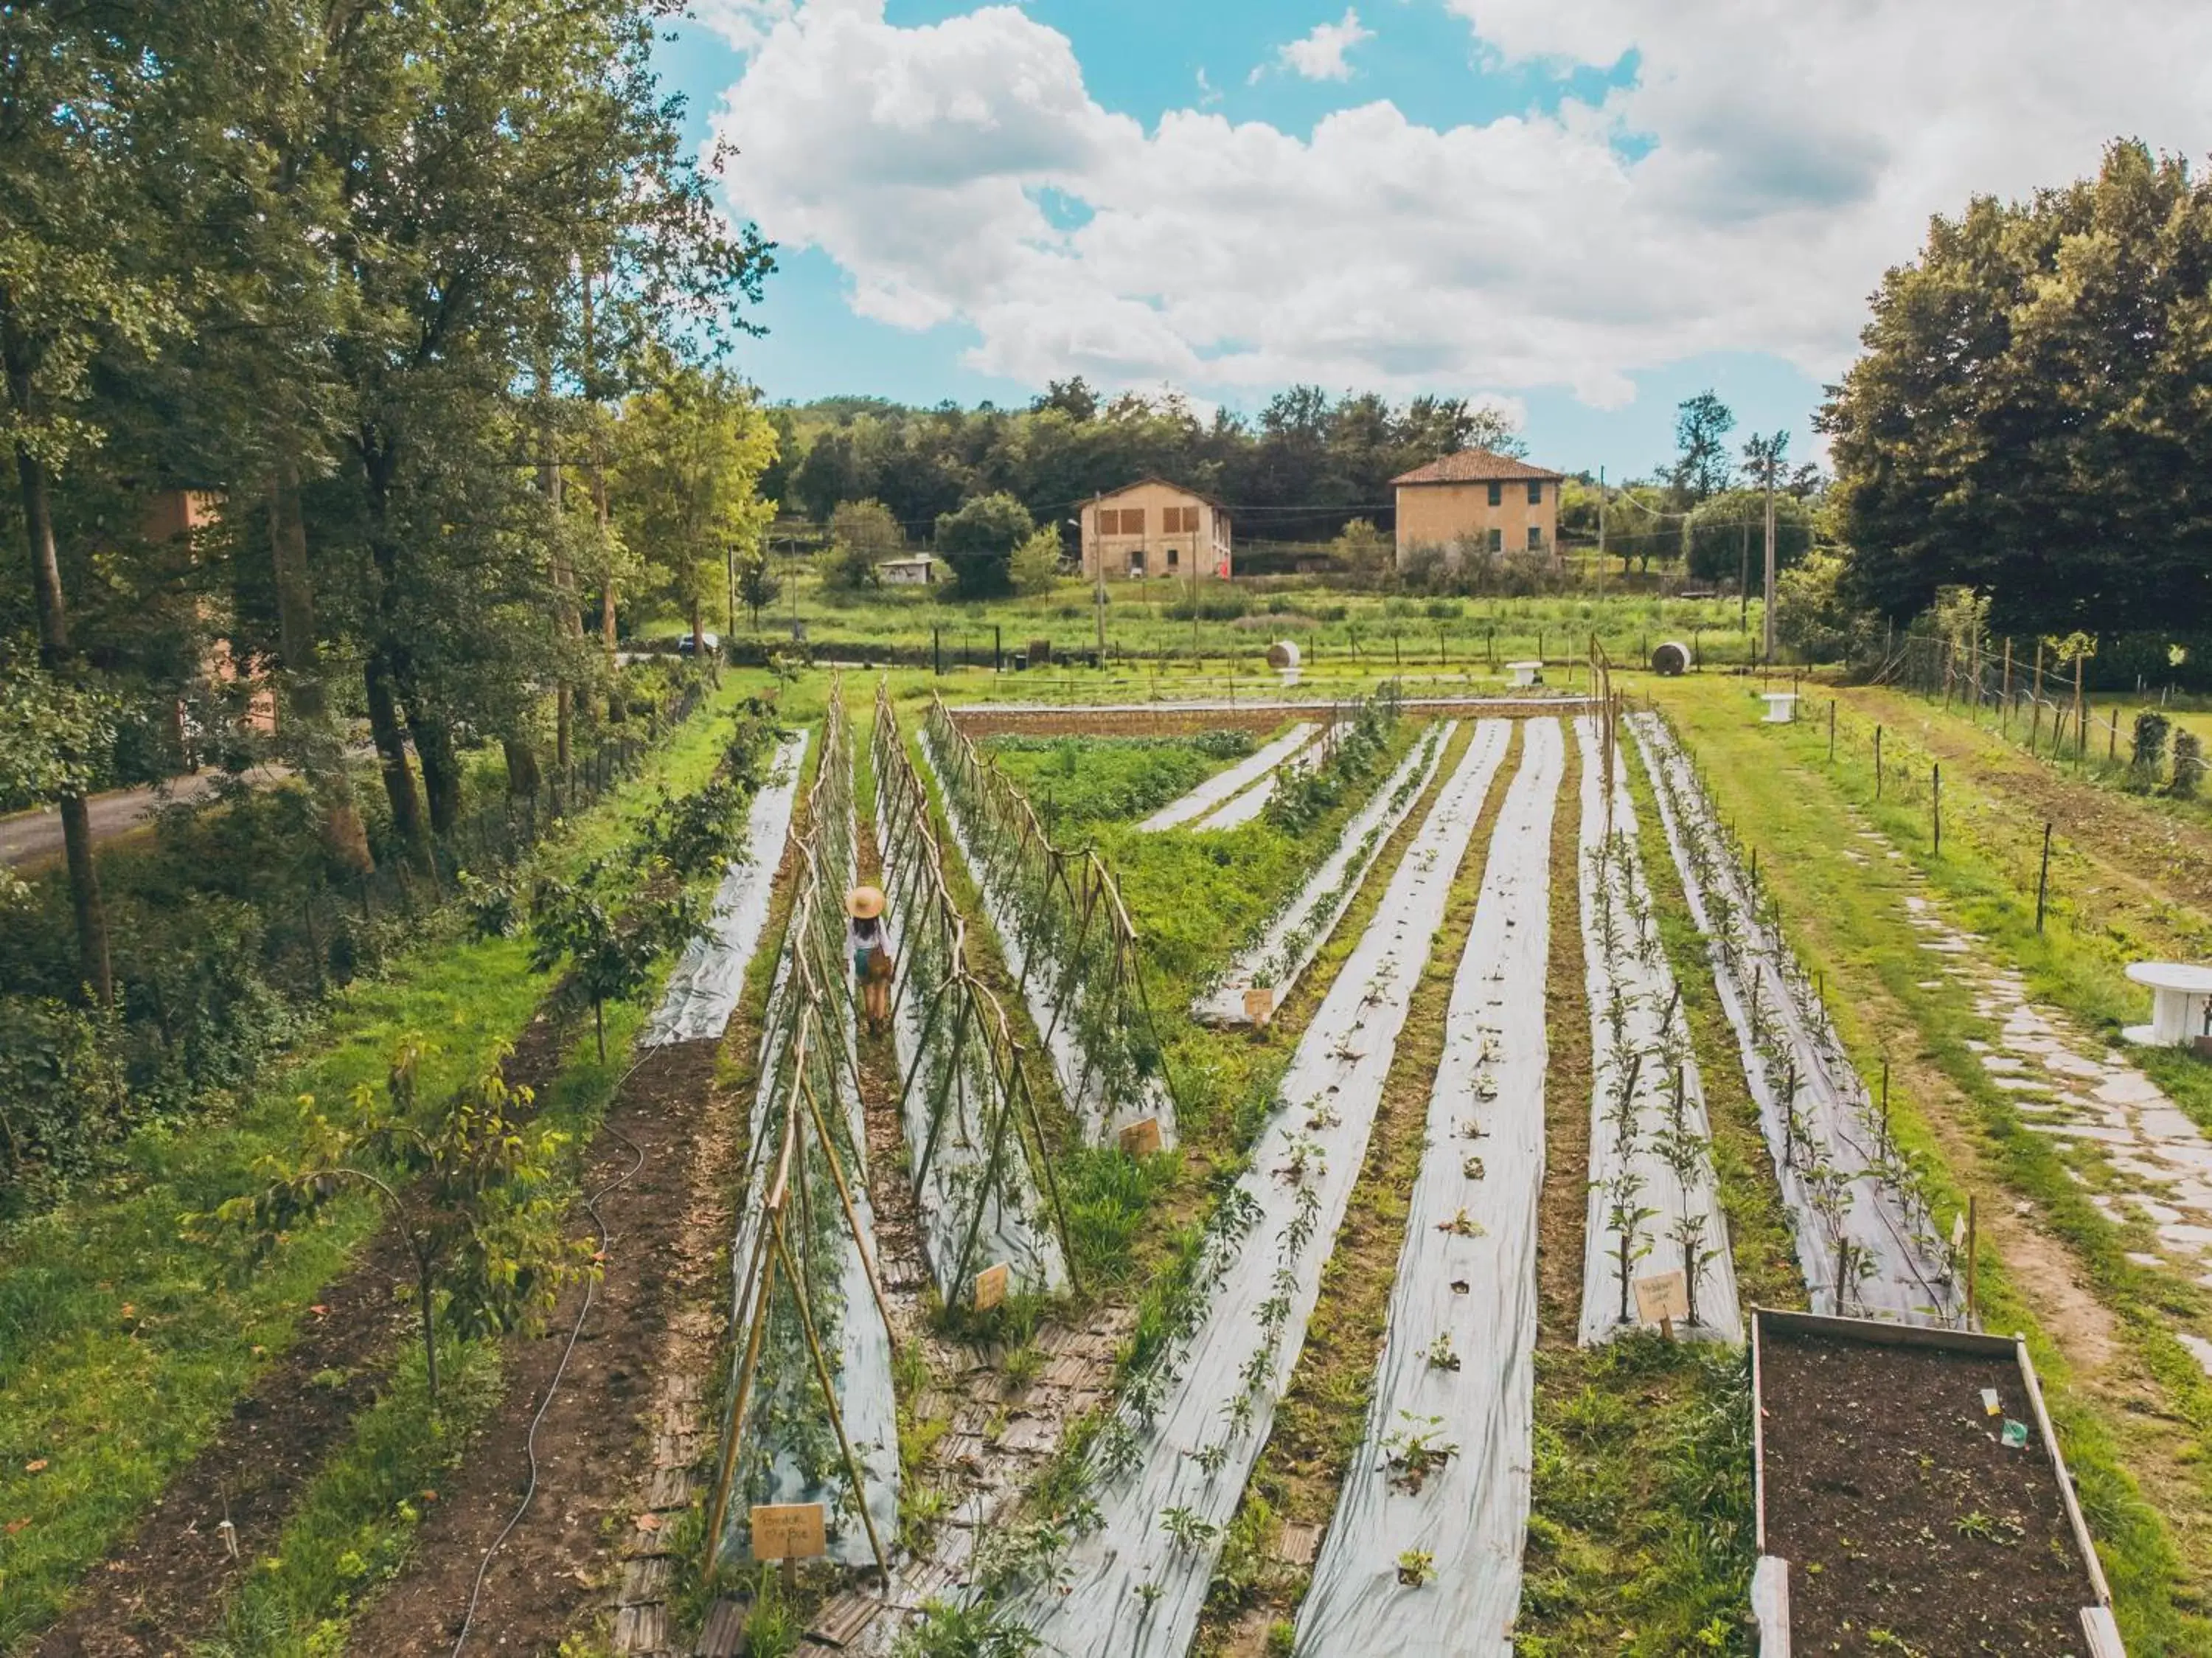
[(1764, 454), (1743, 580), (1601, 532), (1772, 460)]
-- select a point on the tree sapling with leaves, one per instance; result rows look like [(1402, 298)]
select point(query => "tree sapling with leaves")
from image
[(472, 1192)]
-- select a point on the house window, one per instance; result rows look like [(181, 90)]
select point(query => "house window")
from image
[(1536, 538), (1133, 520), (1498, 495), (1136, 561), (1179, 521), (1536, 494), (1497, 536), (1171, 551)]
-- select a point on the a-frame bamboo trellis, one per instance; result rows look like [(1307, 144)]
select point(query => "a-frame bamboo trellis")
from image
[(807, 1228), (973, 1132), (1072, 937)]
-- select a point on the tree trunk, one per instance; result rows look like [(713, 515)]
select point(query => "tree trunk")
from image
[(441, 768), (698, 633), (391, 750), (54, 654), (522, 777), (84, 897), (599, 501), (320, 750)]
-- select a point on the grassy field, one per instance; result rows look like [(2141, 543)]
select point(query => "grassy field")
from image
[(2132, 1408), (106, 1302), (1151, 621)]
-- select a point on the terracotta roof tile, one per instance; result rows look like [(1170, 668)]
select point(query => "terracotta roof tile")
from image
[(1475, 467)]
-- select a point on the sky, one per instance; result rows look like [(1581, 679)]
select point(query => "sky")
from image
[(1580, 211)]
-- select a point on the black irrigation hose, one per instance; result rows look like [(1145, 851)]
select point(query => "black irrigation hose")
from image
[(575, 1333)]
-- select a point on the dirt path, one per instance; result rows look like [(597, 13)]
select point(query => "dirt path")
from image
[(666, 1232), (168, 1584)]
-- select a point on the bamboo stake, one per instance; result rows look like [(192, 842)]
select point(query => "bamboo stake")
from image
[(829, 1404)]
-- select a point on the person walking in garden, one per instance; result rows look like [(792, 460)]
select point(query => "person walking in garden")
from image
[(871, 955)]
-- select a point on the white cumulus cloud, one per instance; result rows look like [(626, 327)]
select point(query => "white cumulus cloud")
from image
[(1320, 55), (1744, 193)]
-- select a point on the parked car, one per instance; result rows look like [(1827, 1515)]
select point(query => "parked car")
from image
[(687, 646)]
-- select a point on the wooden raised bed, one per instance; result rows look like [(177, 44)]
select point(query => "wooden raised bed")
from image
[(1893, 1518)]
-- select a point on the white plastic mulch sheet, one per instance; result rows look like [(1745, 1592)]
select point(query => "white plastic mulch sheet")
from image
[(959, 1082), (1224, 786), (703, 990), (794, 1456), (1651, 1156), (1136, 1585), (1079, 1082), (1245, 806), (1444, 1467), (1848, 1192), (1289, 943)]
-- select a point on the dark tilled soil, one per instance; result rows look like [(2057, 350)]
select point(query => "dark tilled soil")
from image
[(1899, 1511), (664, 1261), (168, 1582)]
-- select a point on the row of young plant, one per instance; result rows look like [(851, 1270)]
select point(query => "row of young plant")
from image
[(1653, 1203), (1238, 794), (1287, 941), (977, 1148), (1068, 939), (810, 1415), (610, 922), (1423, 1551), (1866, 1241), (1126, 1529)]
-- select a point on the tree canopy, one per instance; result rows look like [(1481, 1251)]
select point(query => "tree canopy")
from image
[(373, 284), (2028, 415), (1307, 466)]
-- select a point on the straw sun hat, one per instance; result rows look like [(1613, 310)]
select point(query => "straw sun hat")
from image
[(863, 903)]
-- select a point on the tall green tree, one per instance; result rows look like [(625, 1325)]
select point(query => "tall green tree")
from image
[(692, 449), (77, 281), (979, 541), (1701, 467), (2029, 414)]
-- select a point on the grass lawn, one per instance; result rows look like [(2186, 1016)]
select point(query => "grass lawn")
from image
[(1238, 619), (2135, 1423)]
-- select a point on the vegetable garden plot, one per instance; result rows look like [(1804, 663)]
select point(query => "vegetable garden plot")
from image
[(975, 1143), (1288, 943), (1220, 789), (1865, 1241), (703, 992), (810, 1417), (1254, 801), (1171, 1465), (1654, 1206), (1068, 939), (1911, 1497), (1424, 1553)]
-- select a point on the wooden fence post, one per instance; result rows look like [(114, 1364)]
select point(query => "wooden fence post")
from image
[(2043, 878), (1877, 762), (1936, 803)]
